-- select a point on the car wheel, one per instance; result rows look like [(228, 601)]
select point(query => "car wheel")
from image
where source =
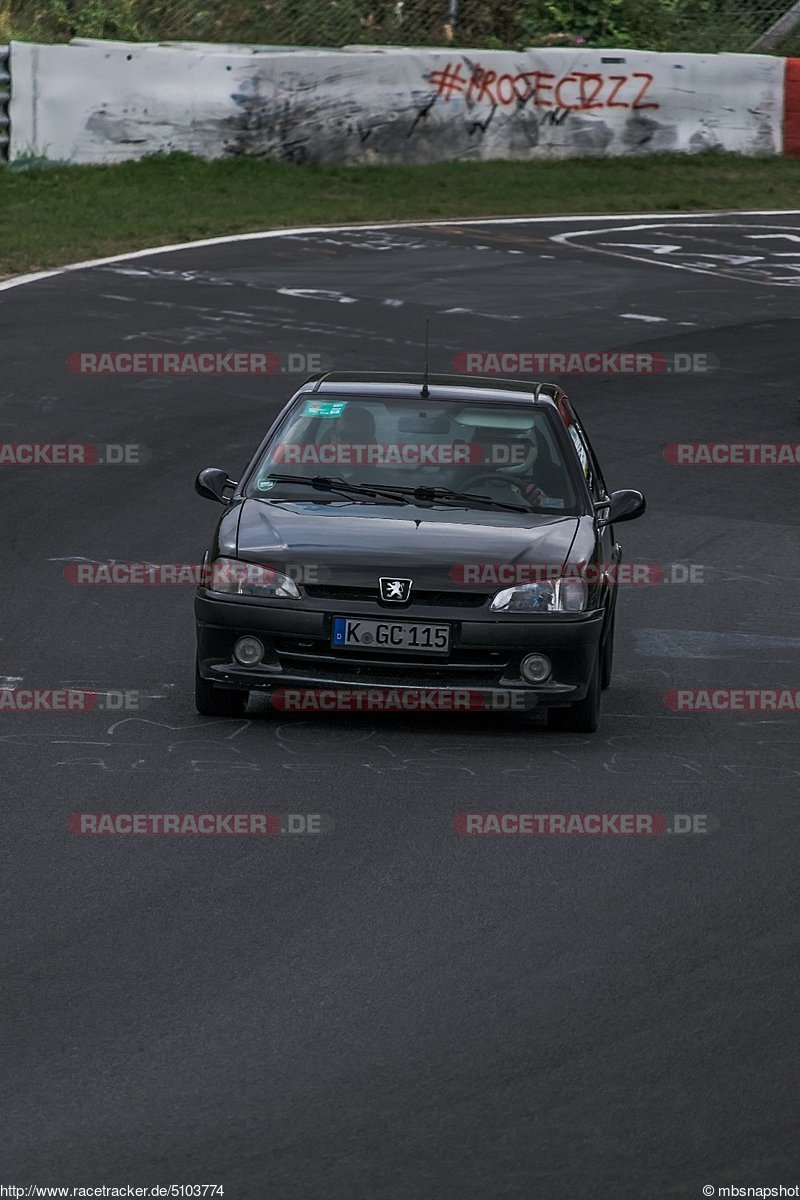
[(217, 702), (607, 658), (584, 715)]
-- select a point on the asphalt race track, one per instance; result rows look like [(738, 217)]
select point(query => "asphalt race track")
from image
[(390, 1010)]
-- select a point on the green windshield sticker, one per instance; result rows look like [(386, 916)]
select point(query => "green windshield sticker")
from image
[(325, 408), (264, 485)]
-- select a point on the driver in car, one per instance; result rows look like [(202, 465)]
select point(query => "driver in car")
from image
[(531, 471), (354, 431), (527, 452)]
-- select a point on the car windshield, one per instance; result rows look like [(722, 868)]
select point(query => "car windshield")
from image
[(507, 453)]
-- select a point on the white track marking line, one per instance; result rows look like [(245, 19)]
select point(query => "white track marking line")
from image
[(564, 239), (7, 284)]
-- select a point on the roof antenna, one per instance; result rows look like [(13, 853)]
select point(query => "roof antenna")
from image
[(425, 390)]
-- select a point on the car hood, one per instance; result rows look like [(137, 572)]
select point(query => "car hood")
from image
[(355, 543)]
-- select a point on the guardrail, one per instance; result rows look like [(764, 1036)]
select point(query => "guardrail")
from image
[(5, 96), (104, 102)]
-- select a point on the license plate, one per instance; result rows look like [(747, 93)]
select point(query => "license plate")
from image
[(355, 634)]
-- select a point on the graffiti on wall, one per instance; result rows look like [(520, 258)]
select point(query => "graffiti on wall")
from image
[(577, 91)]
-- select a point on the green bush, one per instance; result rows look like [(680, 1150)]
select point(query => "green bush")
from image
[(707, 25)]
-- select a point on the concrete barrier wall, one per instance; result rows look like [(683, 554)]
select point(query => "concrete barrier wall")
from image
[(106, 101)]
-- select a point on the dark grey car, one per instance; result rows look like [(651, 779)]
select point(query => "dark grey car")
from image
[(449, 538)]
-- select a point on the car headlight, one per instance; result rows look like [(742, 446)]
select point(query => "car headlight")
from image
[(551, 595), (236, 578)]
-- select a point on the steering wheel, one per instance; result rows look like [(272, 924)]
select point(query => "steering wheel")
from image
[(494, 477)]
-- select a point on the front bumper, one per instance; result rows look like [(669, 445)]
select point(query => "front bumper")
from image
[(484, 657)]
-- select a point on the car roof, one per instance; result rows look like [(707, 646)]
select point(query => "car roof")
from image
[(478, 388)]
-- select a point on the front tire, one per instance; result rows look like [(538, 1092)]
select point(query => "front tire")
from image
[(607, 658), (217, 702), (584, 715)]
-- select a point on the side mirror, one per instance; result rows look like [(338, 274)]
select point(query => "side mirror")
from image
[(626, 505), (211, 483)]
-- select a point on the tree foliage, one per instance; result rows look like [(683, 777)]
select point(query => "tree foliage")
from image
[(707, 25)]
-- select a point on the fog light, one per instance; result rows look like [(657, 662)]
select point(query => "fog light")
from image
[(248, 651), (536, 668)]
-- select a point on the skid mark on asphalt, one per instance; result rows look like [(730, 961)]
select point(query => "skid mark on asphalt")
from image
[(641, 317), (700, 643), (317, 294), (470, 312)]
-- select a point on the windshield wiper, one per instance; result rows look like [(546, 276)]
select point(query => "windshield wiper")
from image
[(448, 496), (326, 483)]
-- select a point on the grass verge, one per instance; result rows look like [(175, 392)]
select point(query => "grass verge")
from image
[(50, 215)]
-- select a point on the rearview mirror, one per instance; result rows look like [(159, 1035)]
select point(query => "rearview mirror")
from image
[(211, 483), (625, 505), (423, 423)]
